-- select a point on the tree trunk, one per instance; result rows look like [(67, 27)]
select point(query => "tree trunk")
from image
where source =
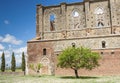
[(24, 72), (76, 73)]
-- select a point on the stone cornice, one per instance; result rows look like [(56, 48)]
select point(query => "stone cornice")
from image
[(87, 37)]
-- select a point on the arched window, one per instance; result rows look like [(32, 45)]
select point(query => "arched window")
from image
[(52, 22), (44, 51), (103, 44), (75, 14), (99, 12), (100, 24), (73, 44)]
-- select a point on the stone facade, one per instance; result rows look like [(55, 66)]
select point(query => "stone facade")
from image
[(92, 23)]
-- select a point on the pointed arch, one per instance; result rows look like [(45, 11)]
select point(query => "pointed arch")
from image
[(99, 10), (100, 24), (99, 13)]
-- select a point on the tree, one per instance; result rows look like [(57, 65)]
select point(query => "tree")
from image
[(23, 63), (76, 58), (3, 62), (13, 63), (35, 67)]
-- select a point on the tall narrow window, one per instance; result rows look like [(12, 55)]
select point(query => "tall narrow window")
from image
[(44, 51), (99, 12), (75, 21), (52, 22), (103, 44)]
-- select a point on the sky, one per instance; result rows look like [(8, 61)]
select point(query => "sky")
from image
[(18, 25)]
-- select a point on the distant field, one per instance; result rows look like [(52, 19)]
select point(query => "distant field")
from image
[(57, 79)]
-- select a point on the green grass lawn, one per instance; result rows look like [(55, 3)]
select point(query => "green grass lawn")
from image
[(57, 79), (9, 70)]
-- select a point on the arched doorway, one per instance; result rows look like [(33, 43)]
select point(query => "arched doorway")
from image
[(45, 66)]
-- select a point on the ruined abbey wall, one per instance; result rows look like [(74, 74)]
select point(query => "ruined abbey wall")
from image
[(92, 23)]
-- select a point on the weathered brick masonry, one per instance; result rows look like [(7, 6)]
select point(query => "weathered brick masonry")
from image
[(92, 23)]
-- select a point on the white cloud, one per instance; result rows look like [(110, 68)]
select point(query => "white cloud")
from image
[(6, 22), (10, 39), (7, 53), (20, 50), (1, 53), (2, 47)]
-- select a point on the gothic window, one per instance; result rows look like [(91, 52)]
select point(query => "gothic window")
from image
[(52, 22), (99, 12), (75, 14), (75, 18), (103, 44), (73, 44), (44, 51)]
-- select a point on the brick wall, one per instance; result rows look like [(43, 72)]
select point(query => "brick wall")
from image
[(109, 65)]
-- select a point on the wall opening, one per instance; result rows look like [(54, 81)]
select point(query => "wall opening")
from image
[(99, 12), (75, 14), (73, 45), (100, 24), (44, 51), (52, 22), (103, 44)]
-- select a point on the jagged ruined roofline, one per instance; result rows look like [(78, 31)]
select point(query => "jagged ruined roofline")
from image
[(77, 3), (68, 4)]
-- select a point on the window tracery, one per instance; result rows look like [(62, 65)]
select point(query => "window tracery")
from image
[(100, 24), (99, 12), (76, 19), (75, 14)]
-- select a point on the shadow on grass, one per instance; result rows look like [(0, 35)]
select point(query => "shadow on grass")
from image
[(80, 77)]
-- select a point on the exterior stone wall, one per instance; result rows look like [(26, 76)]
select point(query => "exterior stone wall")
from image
[(67, 34)]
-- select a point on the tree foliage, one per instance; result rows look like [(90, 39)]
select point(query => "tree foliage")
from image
[(23, 62), (3, 62), (13, 63), (76, 58)]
